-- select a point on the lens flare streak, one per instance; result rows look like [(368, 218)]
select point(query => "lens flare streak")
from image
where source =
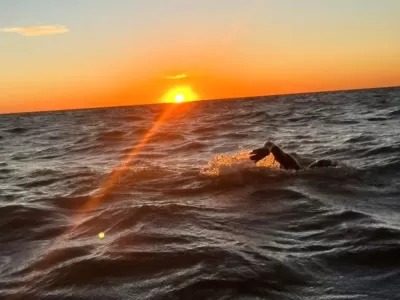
[(104, 190)]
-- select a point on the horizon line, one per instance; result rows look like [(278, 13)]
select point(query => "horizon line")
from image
[(211, 99)]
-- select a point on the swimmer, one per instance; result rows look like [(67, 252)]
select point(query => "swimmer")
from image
[(286, 160)]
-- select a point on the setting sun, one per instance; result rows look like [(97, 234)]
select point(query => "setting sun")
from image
[(179, 98), (180, 94)]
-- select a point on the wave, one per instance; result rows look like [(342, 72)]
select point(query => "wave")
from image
[(190, 216), (39, 183), (166, 137), (5, 171), (376, 257), (391, 167), (361, 138), (394, 113), (133, 118), (190, 146), (256, 116), (233, 135), (272, 275), (381, 150), (17, 130), (113, 135), (221, 127), (376, 119), (20, 156), (22, 220)]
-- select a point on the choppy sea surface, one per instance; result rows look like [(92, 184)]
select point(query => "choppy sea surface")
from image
[(184, 212)]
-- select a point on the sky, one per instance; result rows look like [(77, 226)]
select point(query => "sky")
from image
[(62, 54)]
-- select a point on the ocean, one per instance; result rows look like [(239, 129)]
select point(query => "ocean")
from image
[(186, 215)]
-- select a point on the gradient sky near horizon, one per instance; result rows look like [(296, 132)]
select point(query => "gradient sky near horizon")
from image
[(59, 54)]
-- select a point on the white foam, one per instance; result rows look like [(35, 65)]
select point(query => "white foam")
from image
[(225, 164)]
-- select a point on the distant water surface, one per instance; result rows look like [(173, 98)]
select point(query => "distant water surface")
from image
[(188, 215)]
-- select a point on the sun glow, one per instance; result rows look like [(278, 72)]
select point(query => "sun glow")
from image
[(179, 98), (180, 94)]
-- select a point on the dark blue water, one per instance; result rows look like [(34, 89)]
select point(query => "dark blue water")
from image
[(186, 214)]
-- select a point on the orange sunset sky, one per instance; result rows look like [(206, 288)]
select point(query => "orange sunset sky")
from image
[(75, 54)]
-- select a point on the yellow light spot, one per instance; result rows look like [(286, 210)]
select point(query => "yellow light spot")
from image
[(179, 98), (101, 235), (179, 94)]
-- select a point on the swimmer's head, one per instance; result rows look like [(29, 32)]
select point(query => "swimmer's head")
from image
[(269, 145)]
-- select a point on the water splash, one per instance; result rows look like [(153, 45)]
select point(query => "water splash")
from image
[(225, 164)]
